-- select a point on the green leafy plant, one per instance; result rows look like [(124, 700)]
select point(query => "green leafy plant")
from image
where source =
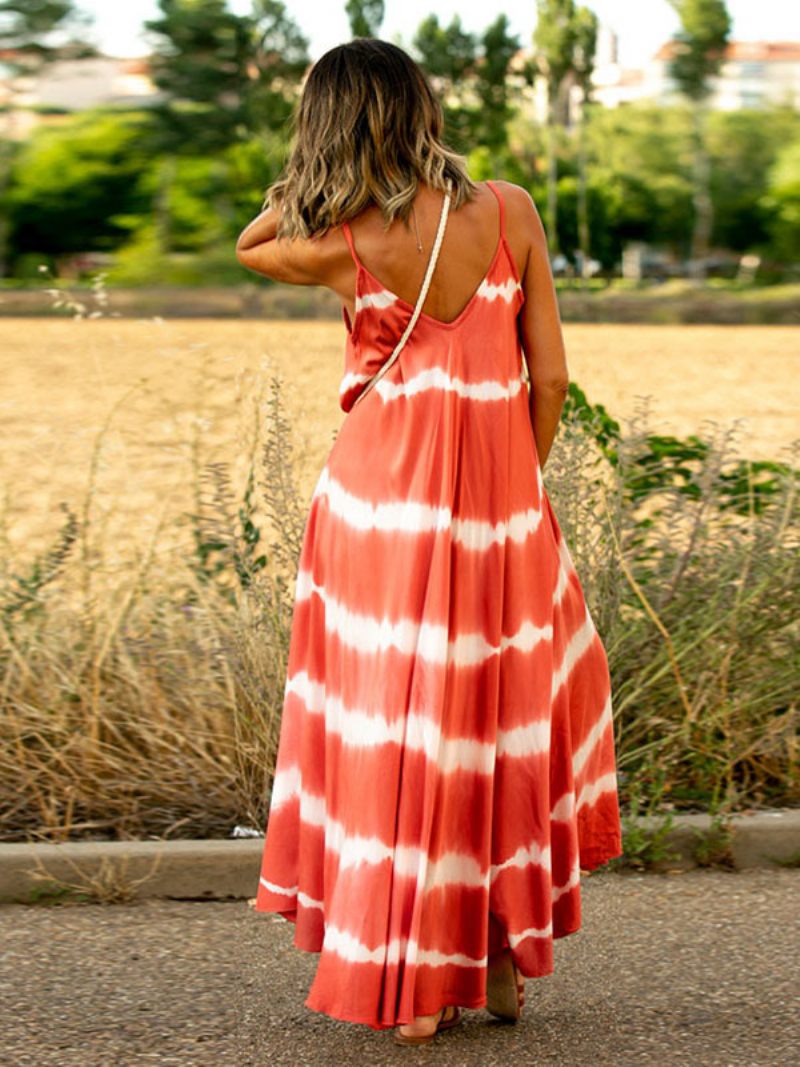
[(713, 847), (645, 843)]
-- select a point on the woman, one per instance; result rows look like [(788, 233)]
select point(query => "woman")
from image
[(446, 759)]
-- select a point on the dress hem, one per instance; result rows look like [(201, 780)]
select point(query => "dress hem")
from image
[(292, 918)]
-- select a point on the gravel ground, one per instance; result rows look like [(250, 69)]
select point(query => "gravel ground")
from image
[(697, 969)]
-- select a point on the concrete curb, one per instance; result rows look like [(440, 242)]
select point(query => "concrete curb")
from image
[(228, 869)]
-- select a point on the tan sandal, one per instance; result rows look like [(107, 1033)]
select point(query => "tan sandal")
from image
[(446, 1022), (505, 987)]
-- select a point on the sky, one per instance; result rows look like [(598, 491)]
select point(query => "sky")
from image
[(642, 25)]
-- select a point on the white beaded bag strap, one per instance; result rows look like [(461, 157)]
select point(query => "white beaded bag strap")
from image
[(437, 244)]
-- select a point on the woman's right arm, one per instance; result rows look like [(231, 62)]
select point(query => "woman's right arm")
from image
[(539, 326)]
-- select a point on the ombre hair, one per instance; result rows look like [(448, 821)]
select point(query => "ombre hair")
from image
[(367, 129)]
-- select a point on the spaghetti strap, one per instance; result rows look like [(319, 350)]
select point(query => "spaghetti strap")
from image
[(502, 205), (348, 235)]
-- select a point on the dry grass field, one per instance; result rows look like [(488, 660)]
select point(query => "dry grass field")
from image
[(157, 386)]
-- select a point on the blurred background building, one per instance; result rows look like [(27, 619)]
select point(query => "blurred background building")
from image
[(73, 85), (753, 73)]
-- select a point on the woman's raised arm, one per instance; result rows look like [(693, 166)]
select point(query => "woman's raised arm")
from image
[(295, 260)]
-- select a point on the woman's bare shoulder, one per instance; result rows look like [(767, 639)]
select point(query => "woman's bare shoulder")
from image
[(524, 229), (517, 199)]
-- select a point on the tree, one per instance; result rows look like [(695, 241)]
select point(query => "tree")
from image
[(448, 54), (783, 201), (699, 49), (225, 78), (470, 73), (200, 62), (280, 58), (639, 186), (554, 42), (27, 27), (26, 31), (497, 48), (743, 146), (75, 183), (365, 17), (583, 68)]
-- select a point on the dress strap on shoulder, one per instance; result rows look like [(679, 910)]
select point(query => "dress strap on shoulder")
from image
[(501, 203), (348, 236)]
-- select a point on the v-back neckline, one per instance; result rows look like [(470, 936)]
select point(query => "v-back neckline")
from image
[(466, 308)]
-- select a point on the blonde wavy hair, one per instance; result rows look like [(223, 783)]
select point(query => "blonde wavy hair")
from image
[(367, 130)]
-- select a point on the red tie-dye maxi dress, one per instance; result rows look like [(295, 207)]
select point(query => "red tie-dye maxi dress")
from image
[(446, 761)]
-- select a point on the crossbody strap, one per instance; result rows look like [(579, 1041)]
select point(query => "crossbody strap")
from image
[(437, 244)]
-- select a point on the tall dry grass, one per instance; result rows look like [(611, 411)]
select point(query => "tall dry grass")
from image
[(688, 554), (142, 697)]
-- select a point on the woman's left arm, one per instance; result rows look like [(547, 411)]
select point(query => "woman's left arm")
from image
[(295, 260)]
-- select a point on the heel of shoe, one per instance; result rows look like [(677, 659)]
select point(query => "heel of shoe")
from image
[(502, 997)]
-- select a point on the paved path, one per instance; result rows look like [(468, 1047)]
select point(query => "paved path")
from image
[(693, 969)]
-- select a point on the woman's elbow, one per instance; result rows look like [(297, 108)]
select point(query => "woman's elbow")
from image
[(244, 251), (558, 385), (251, 259)]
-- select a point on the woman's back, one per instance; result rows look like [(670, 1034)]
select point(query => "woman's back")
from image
[(483, 351), (469, 244)]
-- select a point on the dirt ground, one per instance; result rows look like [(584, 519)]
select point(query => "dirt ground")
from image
[(135, 393)]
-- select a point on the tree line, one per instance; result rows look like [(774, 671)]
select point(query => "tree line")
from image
[(184, 174)]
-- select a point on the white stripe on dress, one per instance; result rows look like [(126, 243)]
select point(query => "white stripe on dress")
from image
[(438, 378), (380, 299), (415, 517), (505, 290), (430, 642)]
